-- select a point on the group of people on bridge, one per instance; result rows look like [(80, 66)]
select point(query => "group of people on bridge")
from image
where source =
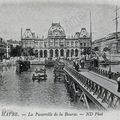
[(82, 63), (79, 64)]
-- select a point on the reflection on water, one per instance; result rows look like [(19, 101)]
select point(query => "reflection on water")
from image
[(21, 90)]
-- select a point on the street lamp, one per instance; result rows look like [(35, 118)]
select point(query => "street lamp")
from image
[(109, 72)]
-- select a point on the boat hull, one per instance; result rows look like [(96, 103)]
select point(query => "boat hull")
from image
[(22, 66), (39, 77)]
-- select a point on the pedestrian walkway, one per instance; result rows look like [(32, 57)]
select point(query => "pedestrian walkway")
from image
[(109, 84), (106, 78), (99, 89), (106, 83)]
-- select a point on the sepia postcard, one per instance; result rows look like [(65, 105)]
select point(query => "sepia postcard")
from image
[(59, 60)]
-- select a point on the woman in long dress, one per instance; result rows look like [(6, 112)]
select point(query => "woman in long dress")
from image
[(118, 81)]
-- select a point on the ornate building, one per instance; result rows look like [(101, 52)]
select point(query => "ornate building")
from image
[(57, 44)]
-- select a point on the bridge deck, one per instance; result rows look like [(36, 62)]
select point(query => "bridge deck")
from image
[(94, 97), (110, 85)]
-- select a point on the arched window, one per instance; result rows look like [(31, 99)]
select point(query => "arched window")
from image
[(76, 43), (45, 53), (61, 52), (67, 53), (72, 53), (36, 53), (56, 53), (51, 53), (41, 53), (76, 52)]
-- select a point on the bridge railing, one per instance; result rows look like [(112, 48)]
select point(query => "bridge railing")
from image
[(111, 75), (106, 96)]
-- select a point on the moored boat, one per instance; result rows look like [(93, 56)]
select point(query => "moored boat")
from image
[(39, 75), (22, 65)]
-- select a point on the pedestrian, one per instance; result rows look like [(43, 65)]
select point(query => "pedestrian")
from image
[(74, 63), (82, 63), (118, 81), (110, 74), (77, 66)]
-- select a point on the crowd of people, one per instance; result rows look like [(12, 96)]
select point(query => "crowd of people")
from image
[(79, 64), (82, 63)]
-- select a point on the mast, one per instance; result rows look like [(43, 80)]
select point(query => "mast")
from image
[(21, 42), (21, 33), (90, 33), (116, 22), (116, 27)]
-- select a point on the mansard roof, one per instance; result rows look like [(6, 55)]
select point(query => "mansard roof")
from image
[(56, 30), (82, 34)]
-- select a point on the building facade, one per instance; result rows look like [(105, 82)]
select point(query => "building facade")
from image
[(56, 44), (11, 44), (108, 41)]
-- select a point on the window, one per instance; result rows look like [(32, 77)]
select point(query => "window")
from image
[(80, 44), (56, 43), (62, 43), (72, 43), (51, 42), (45, 44), (84, 44), (67, 43), (76, 42), (88, 44)]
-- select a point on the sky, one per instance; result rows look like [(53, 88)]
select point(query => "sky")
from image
[(73, 15)]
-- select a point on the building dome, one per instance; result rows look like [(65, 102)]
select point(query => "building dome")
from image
[(56, 31)]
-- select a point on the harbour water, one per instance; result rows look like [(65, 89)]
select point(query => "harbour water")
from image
[(19, 89)]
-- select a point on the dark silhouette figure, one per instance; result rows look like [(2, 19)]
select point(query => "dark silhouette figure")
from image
[(82, 63), (118, 81), (77, 67), (74, 63), (110, 74), (95, 62)]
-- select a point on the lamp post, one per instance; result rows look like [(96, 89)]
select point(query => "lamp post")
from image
[(109, 72), (90, 42)]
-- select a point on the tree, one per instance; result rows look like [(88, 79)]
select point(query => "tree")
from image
[(15, 51), (28, 51)]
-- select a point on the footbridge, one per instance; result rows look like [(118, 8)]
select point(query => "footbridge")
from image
[(94, 90)]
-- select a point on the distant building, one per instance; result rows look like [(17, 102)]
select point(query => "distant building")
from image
[(2, 48), (108, 41), (11, 44), (28, 39), (57, 44)]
